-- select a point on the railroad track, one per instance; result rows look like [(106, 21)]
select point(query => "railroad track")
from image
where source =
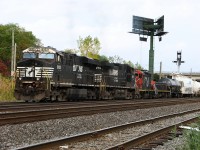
[(140, 142), (18, 105), (10, 107), (31, 113)]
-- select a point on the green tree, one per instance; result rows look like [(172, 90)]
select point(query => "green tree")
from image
[(138, 66), (89, 47), (129, 63), (115, 59), (71, 51), (22, 38), (156, 77), (103, 58)]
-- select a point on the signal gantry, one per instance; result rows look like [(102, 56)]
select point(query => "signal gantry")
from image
[(148, 27)]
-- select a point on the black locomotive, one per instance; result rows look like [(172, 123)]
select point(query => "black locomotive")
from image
[(47, 74)]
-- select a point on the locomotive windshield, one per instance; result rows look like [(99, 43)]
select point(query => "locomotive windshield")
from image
[(29, 55), (40, 55), (46, 56), (40, 52)]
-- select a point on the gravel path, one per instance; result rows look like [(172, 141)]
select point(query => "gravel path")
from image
[(13, 136)]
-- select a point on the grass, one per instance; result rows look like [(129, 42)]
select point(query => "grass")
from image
[(6, 89), (192, 138)]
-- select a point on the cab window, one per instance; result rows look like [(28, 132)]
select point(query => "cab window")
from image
[(140, 76), (46, 56), (29, 55)]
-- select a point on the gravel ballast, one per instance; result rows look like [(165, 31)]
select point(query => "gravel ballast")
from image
[(119, 137), (13, 136)]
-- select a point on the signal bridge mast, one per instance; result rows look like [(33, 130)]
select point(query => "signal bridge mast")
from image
[(149, 27), (178, 60)]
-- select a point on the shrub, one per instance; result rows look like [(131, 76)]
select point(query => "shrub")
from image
[(3, 69), (192, 138), (6, 89)]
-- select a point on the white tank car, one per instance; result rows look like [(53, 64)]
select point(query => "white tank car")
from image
[(186, 84), (196, 88)]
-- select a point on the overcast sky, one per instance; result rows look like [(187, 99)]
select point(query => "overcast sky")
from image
[(59, 23)]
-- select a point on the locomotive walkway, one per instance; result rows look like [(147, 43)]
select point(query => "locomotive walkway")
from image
[(21, 113)]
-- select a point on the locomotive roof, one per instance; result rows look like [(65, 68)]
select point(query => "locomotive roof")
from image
[(40, 50), (106, 64), (170, 82)]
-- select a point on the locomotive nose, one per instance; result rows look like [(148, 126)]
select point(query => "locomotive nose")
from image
[(29, 90)]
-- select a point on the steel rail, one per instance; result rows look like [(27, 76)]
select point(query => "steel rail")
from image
[(101, 132), (55, 113), (63, 105), (137, 143), (18, 106)]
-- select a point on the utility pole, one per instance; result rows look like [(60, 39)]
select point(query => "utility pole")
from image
[(14, 64), (12, 54), (13, 58)]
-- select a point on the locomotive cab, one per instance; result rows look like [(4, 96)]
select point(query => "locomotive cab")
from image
[(143, 88), (142, 79), (34, 73)]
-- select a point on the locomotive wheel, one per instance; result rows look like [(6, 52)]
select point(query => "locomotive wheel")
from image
[(137, 96)]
